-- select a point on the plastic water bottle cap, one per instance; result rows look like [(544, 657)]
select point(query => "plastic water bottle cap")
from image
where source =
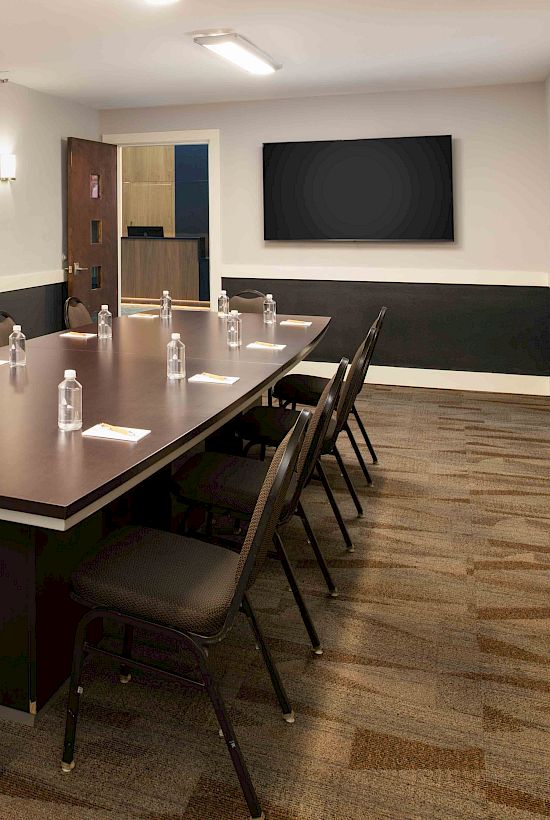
[(223, 293), (175, 337), (165, 292), (70, 374), (17, 328), (269, 296), (104, 307)]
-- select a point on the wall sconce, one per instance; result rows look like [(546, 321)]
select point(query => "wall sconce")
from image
[(7, 167)]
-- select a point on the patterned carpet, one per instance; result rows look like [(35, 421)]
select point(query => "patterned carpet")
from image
[(432, 698)]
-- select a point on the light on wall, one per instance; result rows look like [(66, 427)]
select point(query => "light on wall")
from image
[(240, 51), (7, 167)]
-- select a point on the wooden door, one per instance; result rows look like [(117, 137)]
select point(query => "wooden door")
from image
[(92, 226)]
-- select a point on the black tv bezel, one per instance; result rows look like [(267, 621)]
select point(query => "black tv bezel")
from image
[(355, 240)]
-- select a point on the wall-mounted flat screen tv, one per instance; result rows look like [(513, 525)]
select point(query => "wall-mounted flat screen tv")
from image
[(395, 189)]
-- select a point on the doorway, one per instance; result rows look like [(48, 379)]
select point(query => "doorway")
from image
[(169, 218)]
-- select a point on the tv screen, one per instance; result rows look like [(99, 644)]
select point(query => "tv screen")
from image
[(359, 190)]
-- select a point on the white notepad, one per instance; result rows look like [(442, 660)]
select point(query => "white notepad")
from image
[(74, 334), (295, 323), (265, 346), (213, 378), (143, 316), (115, 432)]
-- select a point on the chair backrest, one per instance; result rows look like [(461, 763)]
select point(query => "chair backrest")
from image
[(265, 517), (247, 301), (76, 313), (376, 327), (353, 383), (316, 431), (6, 326)]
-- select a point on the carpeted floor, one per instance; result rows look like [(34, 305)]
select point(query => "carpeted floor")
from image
[(432, 698)]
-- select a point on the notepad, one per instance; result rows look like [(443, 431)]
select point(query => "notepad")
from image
[(213, 378), (74, 334), (265, 346), (115, 433), (143, 316), (295, 323)]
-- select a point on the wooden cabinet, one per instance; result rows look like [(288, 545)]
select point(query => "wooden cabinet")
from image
[(148, 187)]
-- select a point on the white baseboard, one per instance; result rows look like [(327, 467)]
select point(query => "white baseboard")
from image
[(441, 379), (19, 281)]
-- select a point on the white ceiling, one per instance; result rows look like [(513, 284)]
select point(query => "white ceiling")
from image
[(123, 53)]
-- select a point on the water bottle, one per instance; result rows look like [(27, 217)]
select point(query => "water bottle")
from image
[(165, 305), (223, 305), (104, 323), (175, 358), (17, 342), (270, 310), (234, 329), (69, 407)]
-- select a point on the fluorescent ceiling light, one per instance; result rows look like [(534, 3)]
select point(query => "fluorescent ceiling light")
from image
[(161, 2), (240, 51)]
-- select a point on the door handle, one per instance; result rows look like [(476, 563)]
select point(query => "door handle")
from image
[(77, 268)]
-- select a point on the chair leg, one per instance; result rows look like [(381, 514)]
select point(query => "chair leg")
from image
[(358, 454), (125, 675), (301, 513), (335, 508), (230, 738), (278, 685), (75, 690), (364, 433), (348, 481), (291, 578)]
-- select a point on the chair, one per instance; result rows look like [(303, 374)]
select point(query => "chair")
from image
[(298, 388), (247, 301), (76, 313), (6, 327), (231, 484), (266, 426), (183, 588)]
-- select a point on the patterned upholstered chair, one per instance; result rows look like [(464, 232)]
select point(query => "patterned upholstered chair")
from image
[(247, 301), (76, 313), (299, 388), (189, 590), (6, 327), (230, 483)]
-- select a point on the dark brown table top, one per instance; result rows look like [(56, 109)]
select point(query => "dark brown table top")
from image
[(57, 475)]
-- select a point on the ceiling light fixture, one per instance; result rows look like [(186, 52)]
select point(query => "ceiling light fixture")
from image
[(240, 51), (161, 2)]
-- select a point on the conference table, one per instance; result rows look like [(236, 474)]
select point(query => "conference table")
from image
[(60, 492)]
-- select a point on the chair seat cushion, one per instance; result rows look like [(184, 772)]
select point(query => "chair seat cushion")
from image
[(229, 482), (266, 425), (169, 579), (299, 388)]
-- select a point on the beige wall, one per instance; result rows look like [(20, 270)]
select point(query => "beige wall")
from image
[(502, 199), (35, 126)]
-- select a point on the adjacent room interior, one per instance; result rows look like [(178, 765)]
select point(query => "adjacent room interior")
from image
[(275, 392)]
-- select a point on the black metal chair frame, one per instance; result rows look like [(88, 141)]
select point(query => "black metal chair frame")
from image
[(195, 643)]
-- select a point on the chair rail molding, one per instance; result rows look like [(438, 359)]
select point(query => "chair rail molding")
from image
[(355, 273)]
